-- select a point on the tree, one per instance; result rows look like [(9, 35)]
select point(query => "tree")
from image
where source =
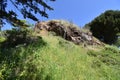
[(28, 8), (106, 26)]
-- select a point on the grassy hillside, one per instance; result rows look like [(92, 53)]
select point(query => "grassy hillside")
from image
[(53, 58)]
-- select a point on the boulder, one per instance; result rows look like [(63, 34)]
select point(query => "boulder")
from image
[(67, 31)]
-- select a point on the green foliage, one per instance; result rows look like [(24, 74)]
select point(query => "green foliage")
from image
[(113, 49), (53, 58), (108, 55), (117, 42), (21, 63), (17, 37), (106, 26), (27, 8), (18, 61), (2, 39), (107, 62)]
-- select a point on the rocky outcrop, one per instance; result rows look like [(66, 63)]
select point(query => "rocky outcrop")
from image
[(67, 31)]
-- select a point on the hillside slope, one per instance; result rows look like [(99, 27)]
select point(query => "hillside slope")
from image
[(68, 31), (54, 58)]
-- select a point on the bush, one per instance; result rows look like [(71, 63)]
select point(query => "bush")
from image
[(117, 42), (20, 63), (17, 37), (108, 55), (2, 37), (112, 49)]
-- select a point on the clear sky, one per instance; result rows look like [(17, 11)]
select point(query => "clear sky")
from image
[(79, 12)]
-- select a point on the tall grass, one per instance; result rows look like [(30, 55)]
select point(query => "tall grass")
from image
[(54, 58)]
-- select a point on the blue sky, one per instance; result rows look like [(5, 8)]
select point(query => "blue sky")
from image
[(79, 12)]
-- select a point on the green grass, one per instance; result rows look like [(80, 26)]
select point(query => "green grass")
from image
[(2, 38), (54, 58)]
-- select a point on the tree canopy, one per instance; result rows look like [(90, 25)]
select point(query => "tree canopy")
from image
[(106, 26), (28, 8)]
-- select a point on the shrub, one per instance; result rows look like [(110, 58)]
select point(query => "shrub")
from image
[(113, 49), (108, 55), (20, 63), (18, 37)]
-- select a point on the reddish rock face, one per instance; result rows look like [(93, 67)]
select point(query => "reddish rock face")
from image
[(68, 32)]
